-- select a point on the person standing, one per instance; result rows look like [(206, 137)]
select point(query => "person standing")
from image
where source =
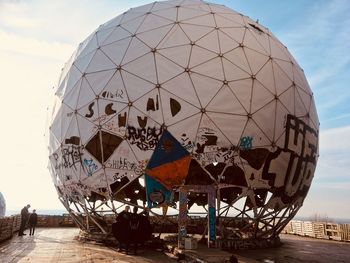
[(120, 228), (33, 220), (24, 220)]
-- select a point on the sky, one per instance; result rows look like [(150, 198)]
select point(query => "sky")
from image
[(38, 36)]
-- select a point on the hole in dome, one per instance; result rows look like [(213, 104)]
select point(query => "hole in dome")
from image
[(109, 143), (256, 27), (142, 182)]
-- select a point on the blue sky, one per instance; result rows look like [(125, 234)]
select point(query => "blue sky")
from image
[(38, 36)]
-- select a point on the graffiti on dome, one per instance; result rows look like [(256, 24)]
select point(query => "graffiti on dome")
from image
[(89, 166), (118, 94), (186, 142), (144, 138), (152, 104), (125, 164), (69, 156), (287, 171), (206, 140), (246, 143)]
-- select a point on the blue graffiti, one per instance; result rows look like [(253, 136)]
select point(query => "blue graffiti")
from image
[(246, 143), (90, 166)]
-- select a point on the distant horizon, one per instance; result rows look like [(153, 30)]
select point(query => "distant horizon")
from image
[(38, 37), (323, 218)]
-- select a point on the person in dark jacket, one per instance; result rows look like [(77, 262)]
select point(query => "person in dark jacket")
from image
[(24, 220), (120, 228), (33, 220)]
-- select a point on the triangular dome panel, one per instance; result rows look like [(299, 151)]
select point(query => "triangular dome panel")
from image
[(281, 118), (135, 86), (243, 92), (179, 55), (188, 13), (150, 105), (83, 62), (256, 60), (182, 87), (154, 37), (200, 55), (251, 42), (99, 80), (86, 128), (277, 50), (71, 98), (123, 162), (235, 33), (136, 49), (116, 50), (223, 22), (166, 12), (108, 108), (233, 72), (152, 21), (225, 102), (117, 123), (204, 20), (86, 94), (133, 24), (287, 99), (175, 108), (282, 81), (212, 68), (261, 37), (260, 96), (226, 43), (118, 34), (185, 131), (230, 125), (210, 42), (194, 32), (114, 90), (238, 58), (166, 69), (265, 119), (143, 67), (100, 62), (209, 142), (205, 87), (252, 137), (175, 37), (103, 34), (265, 77)]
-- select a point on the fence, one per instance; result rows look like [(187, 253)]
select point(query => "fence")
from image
[(10, 224)]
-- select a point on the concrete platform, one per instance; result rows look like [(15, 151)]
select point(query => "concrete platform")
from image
[(61, 245), (297, 249)]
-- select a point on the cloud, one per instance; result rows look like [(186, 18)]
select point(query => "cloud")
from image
[(335, 141), (323, 33), (33, 47), (333, 164)]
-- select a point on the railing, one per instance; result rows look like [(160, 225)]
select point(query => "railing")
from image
[(11, 224), (8, 226)]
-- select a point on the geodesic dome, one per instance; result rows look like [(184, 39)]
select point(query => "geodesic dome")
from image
[(2, 205), (184, 93)]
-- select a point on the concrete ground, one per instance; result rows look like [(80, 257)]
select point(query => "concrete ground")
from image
[(297, 249), (61, 245)]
